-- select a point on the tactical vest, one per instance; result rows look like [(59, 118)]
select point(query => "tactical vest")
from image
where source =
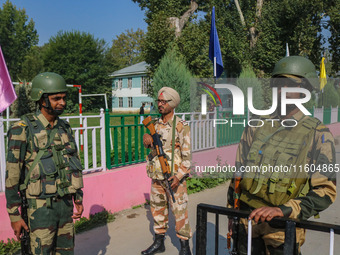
[(153, 167), (56, 169), (283, 148)]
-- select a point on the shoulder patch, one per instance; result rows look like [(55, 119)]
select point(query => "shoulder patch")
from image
[(320, 127), (21, 123)]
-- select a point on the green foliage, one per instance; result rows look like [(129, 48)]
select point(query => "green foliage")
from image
[(330, 96), (332, 8), (194, 46), (10, 248), (32, 64), (80, 59), (17, 36), (126, 49), (248, 79), (197, 184), (207, 180), (272, 30), (172, 72), (95, 220), (157, 40), (23, 104)]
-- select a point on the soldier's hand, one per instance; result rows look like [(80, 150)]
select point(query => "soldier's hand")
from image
[(265, 214), (16, 226), (174, 182), (80, 208), (147, 140)]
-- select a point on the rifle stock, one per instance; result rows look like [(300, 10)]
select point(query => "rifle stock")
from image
[(157, 143)]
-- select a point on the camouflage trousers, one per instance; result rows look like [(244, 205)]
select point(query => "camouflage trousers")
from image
[(265, 239), (51, 228), (160, 209)]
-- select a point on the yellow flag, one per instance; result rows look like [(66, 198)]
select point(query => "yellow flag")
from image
[(323, 78)]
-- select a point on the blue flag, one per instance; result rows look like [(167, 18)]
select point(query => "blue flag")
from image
[(214, 48)]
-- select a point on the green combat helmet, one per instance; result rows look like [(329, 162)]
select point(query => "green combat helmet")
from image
[(47, 83), (298, 66)]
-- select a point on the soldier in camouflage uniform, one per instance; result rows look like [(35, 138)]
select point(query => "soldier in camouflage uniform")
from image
[(168, 99), (43, 162), (295, 194)]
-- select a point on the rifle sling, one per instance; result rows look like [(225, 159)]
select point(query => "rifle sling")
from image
[(173, 144)]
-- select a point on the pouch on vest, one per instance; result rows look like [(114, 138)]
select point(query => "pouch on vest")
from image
[(281, 150), (75, 173)]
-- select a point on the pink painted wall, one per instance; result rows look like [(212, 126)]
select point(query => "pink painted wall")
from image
[(335, 129), (226, 154), (114, 190), (122, 188)]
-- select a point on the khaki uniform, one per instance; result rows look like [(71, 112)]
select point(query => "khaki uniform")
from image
[(52, 180), (307, 144), (159, 198)]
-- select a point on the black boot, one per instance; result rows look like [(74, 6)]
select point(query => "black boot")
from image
[(156, 247), (185, 249)]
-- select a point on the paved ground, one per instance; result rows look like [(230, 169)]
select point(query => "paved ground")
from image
[(131, 232)]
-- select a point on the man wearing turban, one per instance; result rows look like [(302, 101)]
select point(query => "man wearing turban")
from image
[(168, 100)]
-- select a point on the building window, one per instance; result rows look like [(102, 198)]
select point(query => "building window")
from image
[(130, 102), (120, 83), (129, 83), (120, 102), (145, 84)]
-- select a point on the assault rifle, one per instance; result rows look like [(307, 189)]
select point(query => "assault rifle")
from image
[(157, 144), (235, 220), (25, 237)]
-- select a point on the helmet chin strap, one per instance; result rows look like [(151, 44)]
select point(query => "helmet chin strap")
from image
[(49, 107)]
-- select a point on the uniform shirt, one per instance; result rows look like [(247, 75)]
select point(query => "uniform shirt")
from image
[(182, 148), (20, 151), (322, 192)]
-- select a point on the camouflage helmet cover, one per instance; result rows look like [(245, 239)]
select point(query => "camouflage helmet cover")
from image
[(297, 66), (48, 83)]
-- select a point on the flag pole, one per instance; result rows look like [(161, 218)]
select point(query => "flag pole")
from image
[(215, 79)]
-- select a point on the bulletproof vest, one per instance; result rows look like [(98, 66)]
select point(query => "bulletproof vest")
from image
[(276, 162), (53, 167)]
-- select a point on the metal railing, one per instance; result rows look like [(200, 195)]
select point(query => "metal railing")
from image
[(116, 140), (127, 139), (289, 225), (93, 156)]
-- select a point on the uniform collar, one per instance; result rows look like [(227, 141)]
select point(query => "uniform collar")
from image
[(169, 123), (44, 121)]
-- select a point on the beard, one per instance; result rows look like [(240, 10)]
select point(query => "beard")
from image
[(58, 112)]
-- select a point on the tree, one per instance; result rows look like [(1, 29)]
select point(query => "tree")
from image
[(80, 59), (172, 72), (17, 36), (23, 104), (32, 64), (126, 49), (329, 97), (333, 25), (251, 32), (171, 22), (248, 79)]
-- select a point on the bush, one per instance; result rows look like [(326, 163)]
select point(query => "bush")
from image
[(173, 72)]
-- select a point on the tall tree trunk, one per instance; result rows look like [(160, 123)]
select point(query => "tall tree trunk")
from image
[(240, 13), (179, 23), (253, 30)]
